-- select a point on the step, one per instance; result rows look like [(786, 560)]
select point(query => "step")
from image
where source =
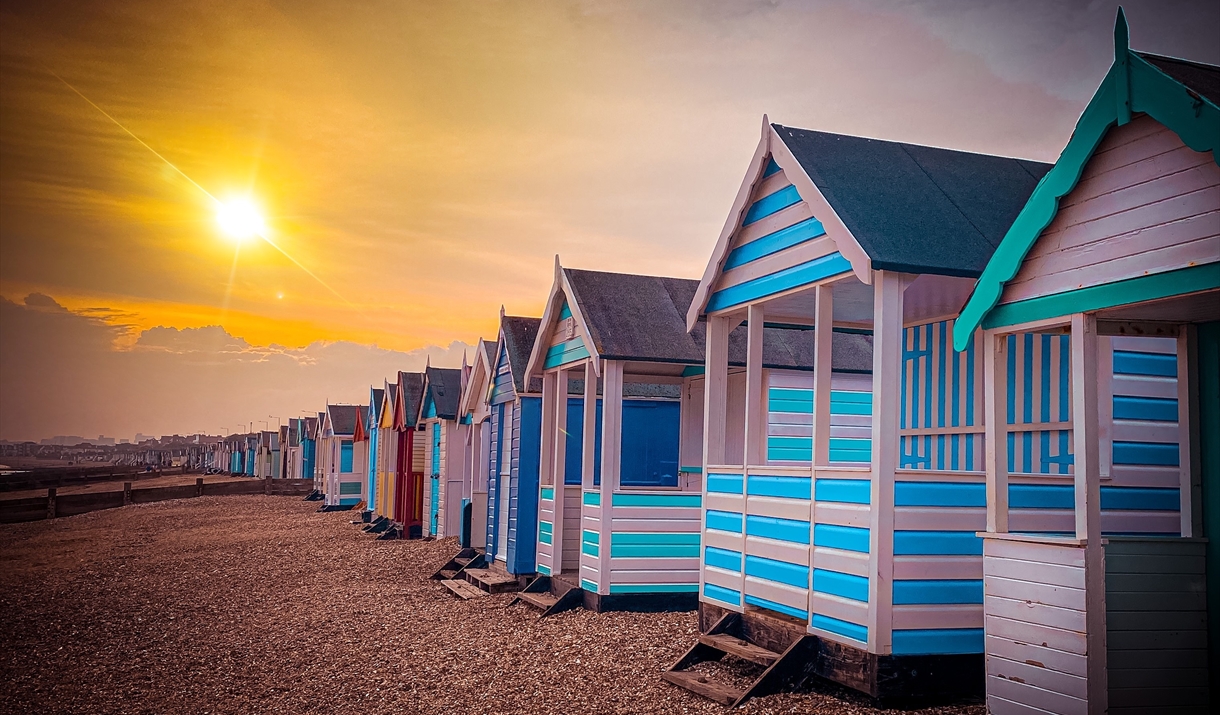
[(740, 648), (463, 589), (542, 601), (702, 685), (447, 573), (461, 561), (490, 580)]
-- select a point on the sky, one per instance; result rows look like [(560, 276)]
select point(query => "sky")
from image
[(420, 165)]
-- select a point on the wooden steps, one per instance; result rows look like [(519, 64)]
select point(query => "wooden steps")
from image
[(472, 558), (541, 601), (700, 684), (551, 595), (727, 637), (463, 589), (491, 580)]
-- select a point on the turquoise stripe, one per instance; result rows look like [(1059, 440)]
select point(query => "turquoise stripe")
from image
[(918, 592), (726, 559), (565, 311), (654, 550), (769, 527), (592, 499), (658, 500), (592, 537), (772, 168), (590, 549), (1146, 453), (800, 401), (778, 571), (725, 483), (566, 352), (946, 494), (349, 502), (722, 594), (545, 527), (654, 588), (588, 585), (843, 491), (937, 641), (548, 493), (800, 449), (546, 538), (349, 488), (784, 487), (937, 543), (794, 277), (772, 203), (1140, 499), (724, 520), (840, 584), (1150, 409), (774, 242), (854, 631), (848, 538), (777, 607), (655, 537), (1129, 362), (544, 569)]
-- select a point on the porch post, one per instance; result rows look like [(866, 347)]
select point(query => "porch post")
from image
[(823, 346), (995, 424), (716, 395), (547, 451), (558, 465), (1189, 456), (589, 434), (755, 452), (888, 288), (612, 438), (1087, 478)]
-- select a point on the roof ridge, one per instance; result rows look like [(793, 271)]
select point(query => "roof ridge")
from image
[(941, 189)]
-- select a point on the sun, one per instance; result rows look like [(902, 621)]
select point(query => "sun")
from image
[(240, 218)]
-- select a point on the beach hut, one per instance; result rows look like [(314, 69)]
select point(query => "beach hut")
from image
[(342, 467), (387, 453), (409, 462), (302, 463), (842, 548), (443, 440), (476, 412), (367, 441), (1104, 599)]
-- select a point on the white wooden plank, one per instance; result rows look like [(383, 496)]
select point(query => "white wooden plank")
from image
[(843, 609), (722, 578), (642, 564), (938, 567), (655, 513), (722, 539), (1038, 593), (849, 562), (779, 550), (1163, 346), (1045, 679), (940, 518), (1040, 552), (797, 509), (1034, 634), (1035, 613), (777, 261), (1037, 655), (656, 525), (938, 616), (1034, 571), (777, 592), (654, 576), (842, 514), (724, 502)]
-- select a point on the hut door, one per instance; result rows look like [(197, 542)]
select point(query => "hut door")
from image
[(434, 507)]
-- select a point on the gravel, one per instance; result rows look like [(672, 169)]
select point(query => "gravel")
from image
[(259, 604)]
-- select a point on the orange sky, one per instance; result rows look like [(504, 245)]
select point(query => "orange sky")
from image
[(427, 160)]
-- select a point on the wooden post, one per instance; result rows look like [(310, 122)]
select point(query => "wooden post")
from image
[(546, 476), (888, 290), (612, 445), (995, 425), (267, 485), (715, 393), (1087, 479), (588, 445), (755, 451), (51, 503), (126, 493), (198, 486), (822, 349), (1189, 457), (559, 440)]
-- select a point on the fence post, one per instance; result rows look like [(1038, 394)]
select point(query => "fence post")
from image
[(198, 486), (126, 493), (51, 503), (267, 486)]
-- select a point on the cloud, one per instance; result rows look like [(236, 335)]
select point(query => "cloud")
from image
[(68, 372)]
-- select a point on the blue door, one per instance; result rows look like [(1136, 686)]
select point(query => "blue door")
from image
[(436, 475), (650, 444), (493, 473)]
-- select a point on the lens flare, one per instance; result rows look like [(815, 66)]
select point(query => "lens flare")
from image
[(240, 219)]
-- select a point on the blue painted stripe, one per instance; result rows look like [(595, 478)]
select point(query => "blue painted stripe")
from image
[(726, 559), (658, 500), (588, 585), (778, 571), (945, 494), (722, 594), (777, 607), (840, 584), (770, 527), (936, 591), (349, 488), (802, 274), (848, 538), (592, 537), (724, 520), (784, 487), (726, 483), (800, 401), (565, 353), (548, 493), (1040, 496), (546, 538), (772, 203), (655, 537), (774, 242), (544, 569), (565, 311), (1128, 362), (545, 527), (1140, 499), (937, 641), (937, 543), (771, 169), (1146, 453), (590, 549), (843, 491), (349, 502), (654, 551), (855, 631), (654, 588), (1150, 409)]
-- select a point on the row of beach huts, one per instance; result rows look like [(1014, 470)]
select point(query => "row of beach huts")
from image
[(931, 424)]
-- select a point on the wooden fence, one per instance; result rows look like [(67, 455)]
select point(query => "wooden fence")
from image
[(54, 505), (44, 478)]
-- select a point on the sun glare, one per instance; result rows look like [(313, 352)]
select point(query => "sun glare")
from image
[(240, 219)]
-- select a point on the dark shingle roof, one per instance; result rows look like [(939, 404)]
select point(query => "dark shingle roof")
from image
[(519, 336), (914, 208), (445, 387), (1196, 76), (375, 402), (412, 384), (343, 418), (644, 318), (489, 351)]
